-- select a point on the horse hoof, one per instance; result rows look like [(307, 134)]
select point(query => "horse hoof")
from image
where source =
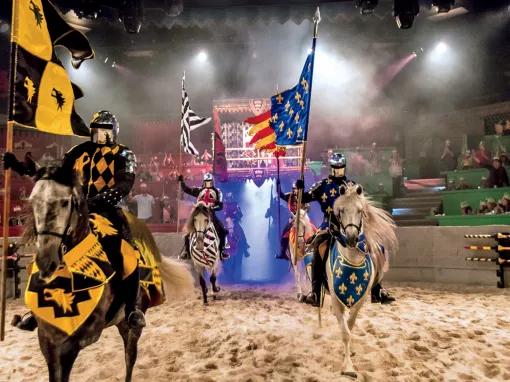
[(351, 374), (216, 290), (301, 298), (214, 297)]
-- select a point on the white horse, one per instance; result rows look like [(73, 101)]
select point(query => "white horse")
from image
[(356, 259), (306, 231), (204, 246)]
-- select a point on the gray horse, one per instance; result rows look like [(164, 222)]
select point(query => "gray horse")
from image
[(60, 216)]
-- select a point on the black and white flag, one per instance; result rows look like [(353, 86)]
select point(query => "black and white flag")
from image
[(189, 122)]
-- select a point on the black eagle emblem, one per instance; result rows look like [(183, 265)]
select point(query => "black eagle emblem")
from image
[(37, 13), (59, 98)]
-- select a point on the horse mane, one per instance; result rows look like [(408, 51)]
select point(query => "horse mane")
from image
[(61, 176), (378, 225), (200, 207)]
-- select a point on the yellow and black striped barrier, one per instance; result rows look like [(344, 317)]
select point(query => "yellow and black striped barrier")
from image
[(502, 250)]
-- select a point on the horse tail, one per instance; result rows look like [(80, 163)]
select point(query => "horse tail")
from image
[(177, 278)]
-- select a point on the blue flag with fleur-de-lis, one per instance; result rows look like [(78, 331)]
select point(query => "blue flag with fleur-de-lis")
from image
[(290, 109)]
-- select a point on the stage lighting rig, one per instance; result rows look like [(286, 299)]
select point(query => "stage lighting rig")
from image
[(404, 12), (366, 7), (132, 15), (443, 6)]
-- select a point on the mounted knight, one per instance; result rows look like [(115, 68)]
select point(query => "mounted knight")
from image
[(107, 172)]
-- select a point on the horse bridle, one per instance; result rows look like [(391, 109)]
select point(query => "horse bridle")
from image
[(64, 237)]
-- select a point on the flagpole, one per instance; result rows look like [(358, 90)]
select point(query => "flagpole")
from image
[(7, 179), (316, 20), (180, 167), (278, 188)]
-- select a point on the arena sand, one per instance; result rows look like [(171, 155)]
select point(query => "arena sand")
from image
[(432, 333)]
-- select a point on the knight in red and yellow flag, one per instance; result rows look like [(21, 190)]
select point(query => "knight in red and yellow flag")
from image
[(42, 96)]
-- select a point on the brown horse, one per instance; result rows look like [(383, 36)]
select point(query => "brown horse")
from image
[(61, 218)]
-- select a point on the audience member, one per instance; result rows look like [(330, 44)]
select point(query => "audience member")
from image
[(481, 158), (374, 165), (483, 182), (504, 159), (144, 202), (498, 176), (467, 160), (506, 202), (462, 185), (506, 127), (206, 157), (491, 205), (395, 170), (448, 161), (483, 207), (500, 207), (465, 208), (166, 210)]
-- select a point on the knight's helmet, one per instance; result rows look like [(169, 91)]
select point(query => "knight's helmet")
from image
[(337, 162), (104, 128), (208, 180)]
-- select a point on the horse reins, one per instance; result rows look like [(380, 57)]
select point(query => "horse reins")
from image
[(62, 248)]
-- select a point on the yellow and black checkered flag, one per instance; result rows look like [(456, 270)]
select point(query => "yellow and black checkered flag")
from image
[(42, 96)]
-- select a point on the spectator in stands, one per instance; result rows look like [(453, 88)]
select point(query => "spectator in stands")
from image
[(448, 161), (168, 161), (500, 208), (144, 202), (491, 205), (506, 127), (483, 207), (206, 157), (506, 202), (167, 213), (498, 128), (450, 186), (481, 158), (465, 208), (483, 182), (395, 170), (462, 185), (467, 160), (504, 159), (143, 174), (374, 166), (498, 176)]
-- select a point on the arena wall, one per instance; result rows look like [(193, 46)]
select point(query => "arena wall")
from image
[(427, 254), (437, 254)]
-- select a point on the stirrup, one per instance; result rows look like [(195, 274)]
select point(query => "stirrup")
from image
[(27, 322)]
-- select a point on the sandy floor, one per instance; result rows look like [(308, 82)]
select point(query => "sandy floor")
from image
[(433, 333)]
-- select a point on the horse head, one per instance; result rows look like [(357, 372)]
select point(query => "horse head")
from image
[(349, 209), (60, 217), (199, 222), (305, 226)]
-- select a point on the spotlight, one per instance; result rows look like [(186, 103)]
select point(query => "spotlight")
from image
[(443, 6), (106, 60), (113, 64), (132, 15), (202, 56), (366, 6), (404, 12)]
